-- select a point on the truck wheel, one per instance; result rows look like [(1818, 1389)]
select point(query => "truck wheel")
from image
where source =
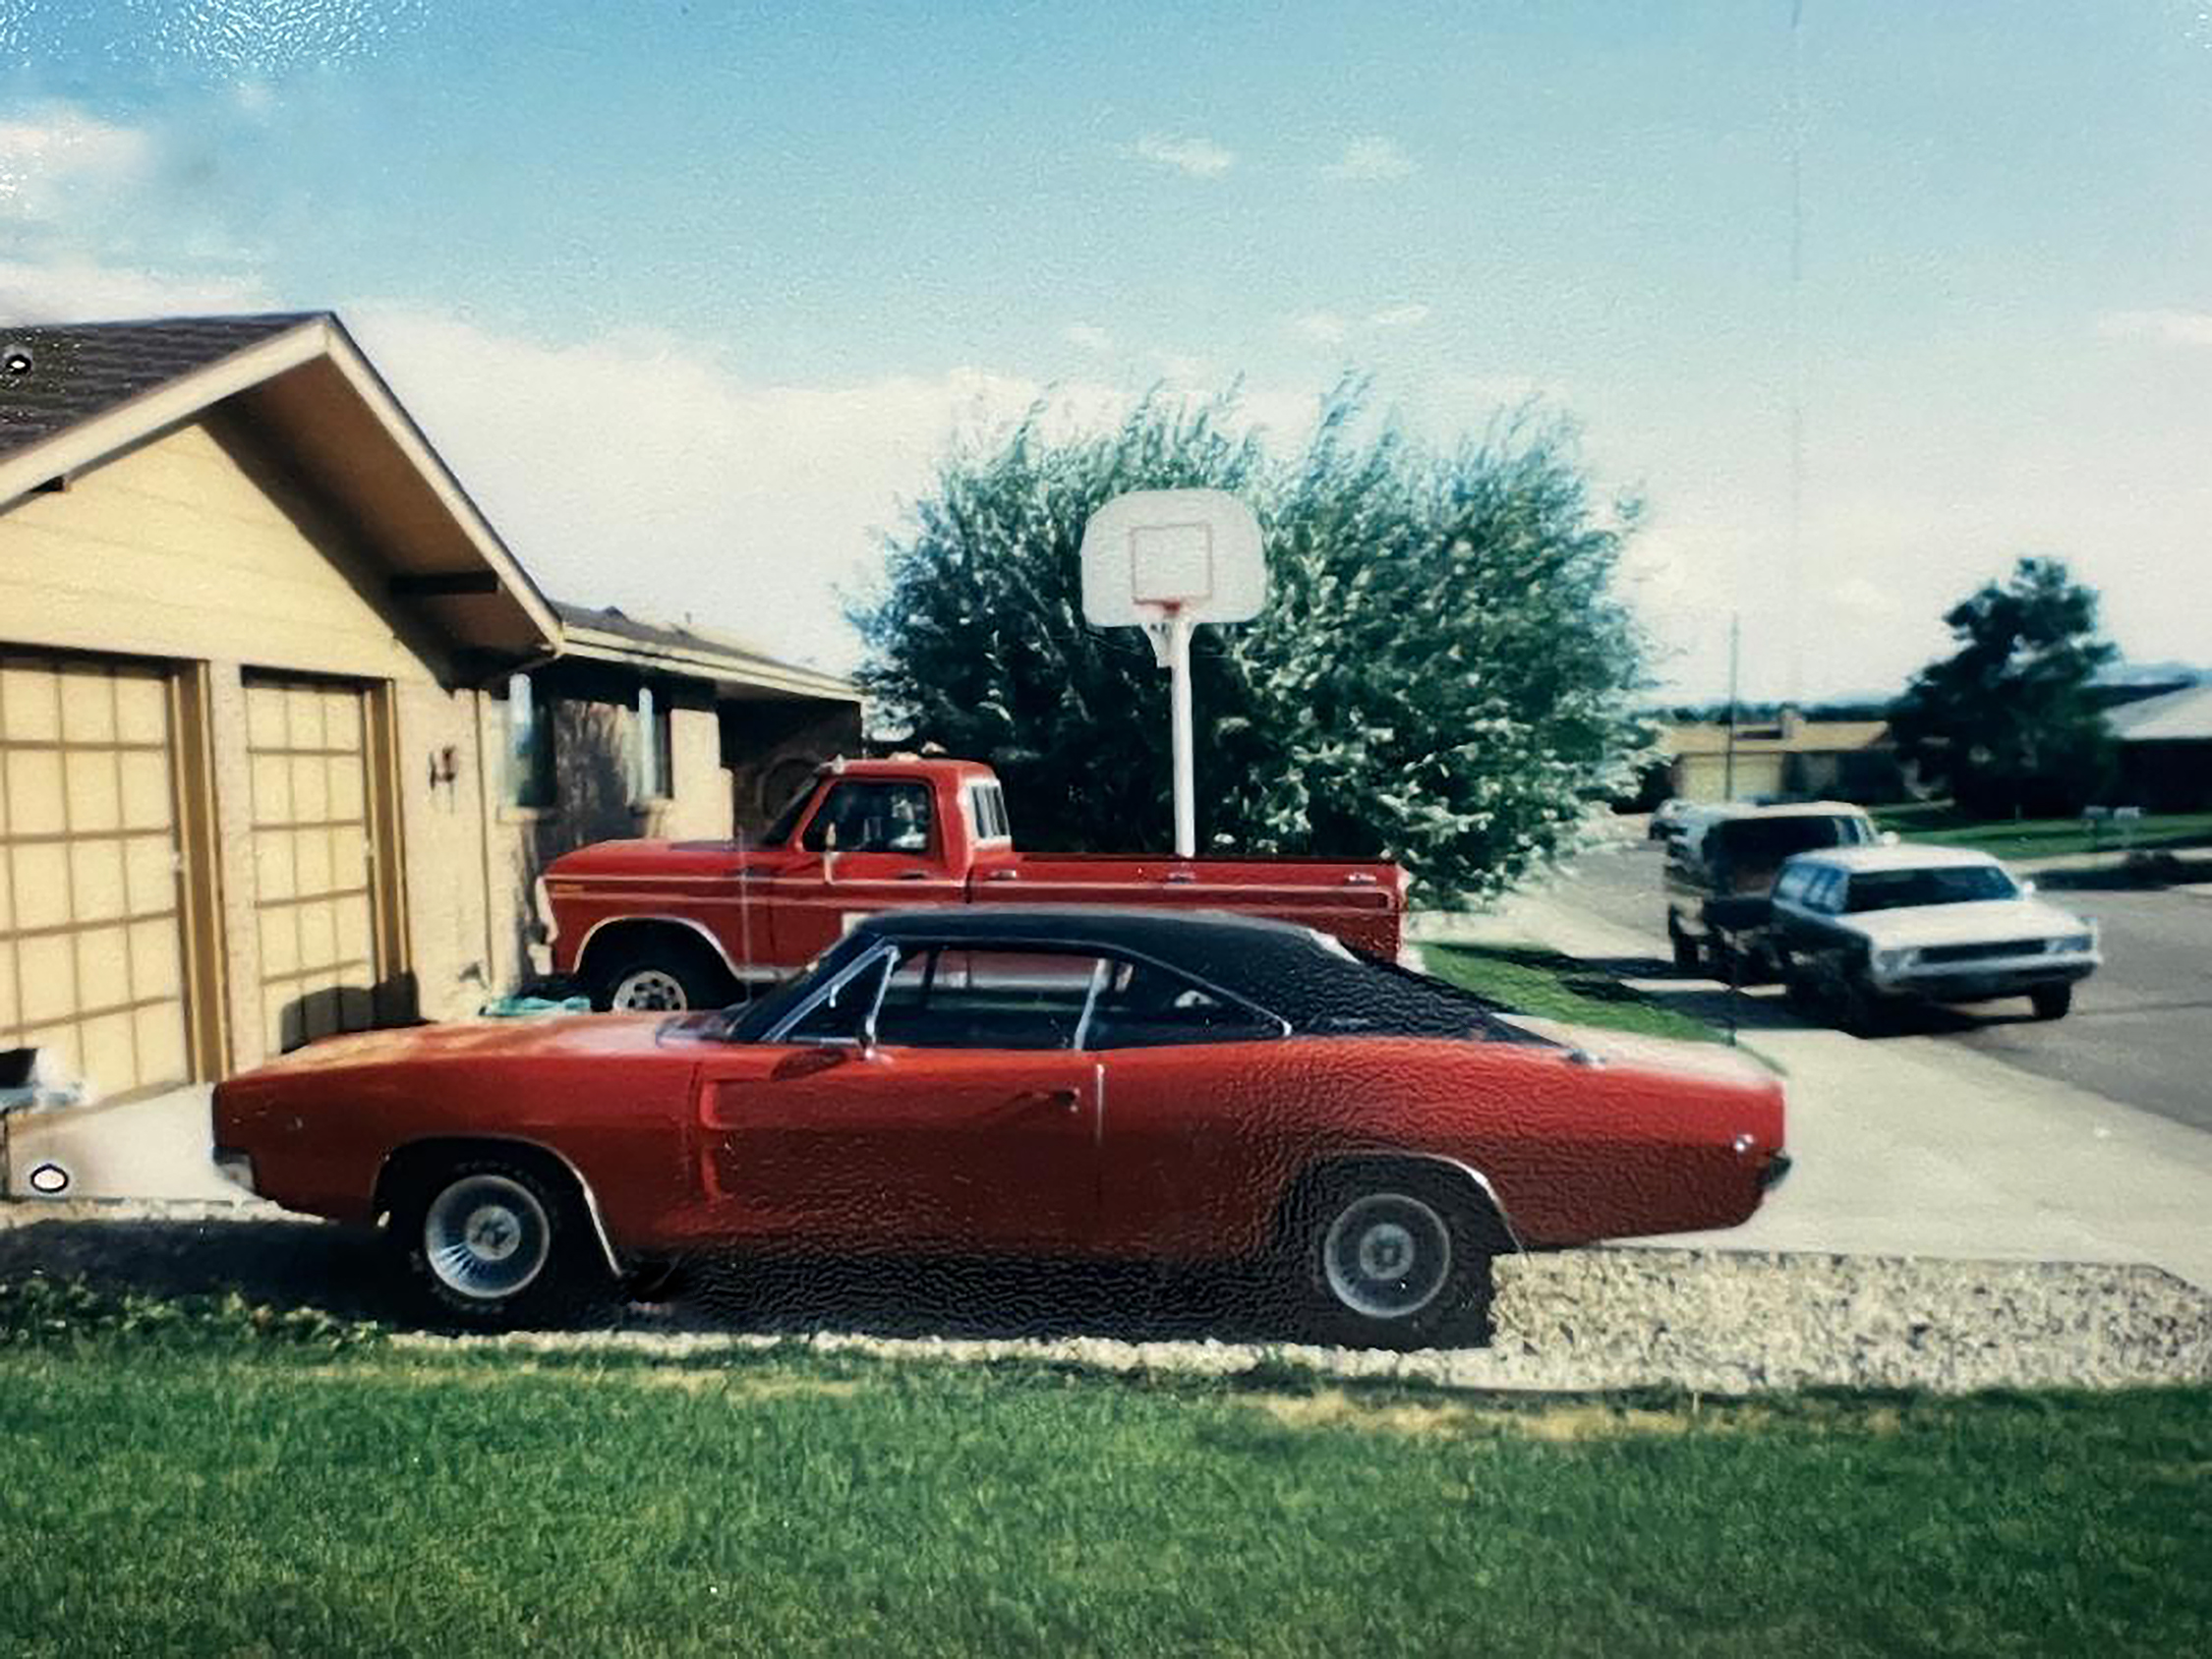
[(659, 975), (1860, 1010), (1393, 1258), (1685, 947), (493, 1242), (2051, 1001)]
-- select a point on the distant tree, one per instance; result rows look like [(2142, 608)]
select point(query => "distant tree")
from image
[(1443, 674), (2009, 723)]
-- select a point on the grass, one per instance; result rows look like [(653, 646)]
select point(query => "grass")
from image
[(1551, 986), (1940, 822), (244, 1493)]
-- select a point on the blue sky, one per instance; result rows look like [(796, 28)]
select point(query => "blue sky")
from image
[(690, 294)]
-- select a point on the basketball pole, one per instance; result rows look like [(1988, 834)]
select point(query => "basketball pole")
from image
[(1179, 627)]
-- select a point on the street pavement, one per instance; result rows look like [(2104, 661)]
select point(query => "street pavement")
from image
[(1913, 1145), (2141, 1027)]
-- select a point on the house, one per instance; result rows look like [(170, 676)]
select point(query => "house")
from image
[(1787, 755), (2165, 745), (286, 729)]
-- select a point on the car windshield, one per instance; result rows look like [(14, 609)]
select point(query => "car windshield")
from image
[(1901, 890), (750, 1023), (1766, 841)]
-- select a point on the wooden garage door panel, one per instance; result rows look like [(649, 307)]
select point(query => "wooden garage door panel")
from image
[(314, 858), (91, 866)]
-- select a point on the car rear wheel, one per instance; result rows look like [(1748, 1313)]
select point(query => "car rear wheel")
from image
[(1395, 1258), (495, 1243), (2051, 1001)]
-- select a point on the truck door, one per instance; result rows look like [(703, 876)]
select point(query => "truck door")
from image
[(871, 844)]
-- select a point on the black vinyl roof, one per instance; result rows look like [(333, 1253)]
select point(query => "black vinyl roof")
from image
[(1311, 980)]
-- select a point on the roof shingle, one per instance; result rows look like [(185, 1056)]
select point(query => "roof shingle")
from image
[(77, 370)]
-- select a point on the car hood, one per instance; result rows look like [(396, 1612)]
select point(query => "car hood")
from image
[(1675, 1056), (1989, 921), (598, 1036)]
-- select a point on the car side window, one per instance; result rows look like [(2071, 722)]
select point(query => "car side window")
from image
[(1145, 1007), (872, 816), (952, 997)]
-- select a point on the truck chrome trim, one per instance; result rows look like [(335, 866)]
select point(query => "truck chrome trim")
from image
[(751, 973)]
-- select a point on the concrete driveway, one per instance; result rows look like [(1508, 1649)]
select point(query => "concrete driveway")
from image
[(1921, 1146)]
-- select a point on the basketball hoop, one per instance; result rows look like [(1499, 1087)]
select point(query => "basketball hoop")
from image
[(1166, 560)]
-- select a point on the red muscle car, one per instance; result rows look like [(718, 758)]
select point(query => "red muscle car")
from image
[(669, 925), (1026, 1083)]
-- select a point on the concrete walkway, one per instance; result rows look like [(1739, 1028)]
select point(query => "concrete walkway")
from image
[(155, 1148), (1918, 1147)]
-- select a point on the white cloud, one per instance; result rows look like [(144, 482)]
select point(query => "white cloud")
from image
[(83, 291), (1399, 317), (2165, 328), (1325, 328), (1371, 159), (54, 153), (1199, 159), (1088, 336), (1863, 597)]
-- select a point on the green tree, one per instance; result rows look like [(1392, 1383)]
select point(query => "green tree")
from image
[(1443, 674), (2008, 723)]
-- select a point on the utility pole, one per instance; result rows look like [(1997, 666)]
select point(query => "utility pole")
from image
[(1728, 763)]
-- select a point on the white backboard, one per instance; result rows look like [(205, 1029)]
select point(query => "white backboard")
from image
[(1155, 550)]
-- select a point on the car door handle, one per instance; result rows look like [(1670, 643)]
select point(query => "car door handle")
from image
[(914, 875), (1049, 1100), (1004, 876)]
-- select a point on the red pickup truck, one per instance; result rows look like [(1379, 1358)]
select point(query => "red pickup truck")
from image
[(691, 924)]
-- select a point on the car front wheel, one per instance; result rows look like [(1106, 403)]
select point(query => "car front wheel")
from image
[(2051, 1001), (1396, 1259), (496, 1243)]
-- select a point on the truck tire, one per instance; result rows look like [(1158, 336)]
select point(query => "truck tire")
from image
[(658, 974), (2051, 1001), (1686, 953)]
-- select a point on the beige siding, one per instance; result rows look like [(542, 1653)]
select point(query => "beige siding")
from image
[(188, 547)]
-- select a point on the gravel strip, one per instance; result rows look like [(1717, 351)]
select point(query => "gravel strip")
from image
[(1713, 1321)]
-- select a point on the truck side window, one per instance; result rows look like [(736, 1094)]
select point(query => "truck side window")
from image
[(872, 816)]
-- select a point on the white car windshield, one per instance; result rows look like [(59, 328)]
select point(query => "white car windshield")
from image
[(1898, 889)]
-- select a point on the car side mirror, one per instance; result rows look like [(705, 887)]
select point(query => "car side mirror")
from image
[(2027, 887), (1888, 837), (869, 1046)]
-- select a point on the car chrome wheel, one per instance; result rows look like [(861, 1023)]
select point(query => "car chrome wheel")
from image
[(649, 991), (1387, 1255), (486, 1238)]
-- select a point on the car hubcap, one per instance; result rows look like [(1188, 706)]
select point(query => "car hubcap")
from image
[(1387, 1255), (486, 1236), (650, 990)]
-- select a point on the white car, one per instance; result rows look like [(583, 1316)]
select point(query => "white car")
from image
[(1867, 928)]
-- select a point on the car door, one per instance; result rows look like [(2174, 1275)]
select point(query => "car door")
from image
[(945, 1108), (1189, 1088), (872, 844)]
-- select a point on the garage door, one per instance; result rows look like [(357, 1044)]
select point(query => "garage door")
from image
[(92, 958), (314, 863)]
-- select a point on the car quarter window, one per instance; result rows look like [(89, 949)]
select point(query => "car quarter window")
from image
[(955, 996), (1143, 1005), (872, 816)]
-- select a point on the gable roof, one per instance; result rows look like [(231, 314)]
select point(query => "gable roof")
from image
[(2177, 716), (611, 635), (74, 373), (90, 390)]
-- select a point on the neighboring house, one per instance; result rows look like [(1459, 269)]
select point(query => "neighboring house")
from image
[(286, 729), (1789, 755), (2165, 745)]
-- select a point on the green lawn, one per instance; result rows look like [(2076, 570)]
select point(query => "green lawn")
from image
[(1940, 822), (1536, 981), (238, 1495)]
